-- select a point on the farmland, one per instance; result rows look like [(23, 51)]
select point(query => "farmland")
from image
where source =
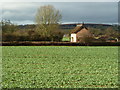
[(59, 67)]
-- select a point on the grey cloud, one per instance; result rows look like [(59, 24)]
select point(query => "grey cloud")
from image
[(101, 12), (92, 12)]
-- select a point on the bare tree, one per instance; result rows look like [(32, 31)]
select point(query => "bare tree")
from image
[(47, 18)]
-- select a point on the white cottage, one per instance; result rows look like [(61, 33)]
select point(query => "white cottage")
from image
[(79, 32)]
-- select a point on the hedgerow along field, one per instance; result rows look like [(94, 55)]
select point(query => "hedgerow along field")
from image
[(59, 67)]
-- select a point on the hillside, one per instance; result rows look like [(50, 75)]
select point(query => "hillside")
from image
[(69, 26)]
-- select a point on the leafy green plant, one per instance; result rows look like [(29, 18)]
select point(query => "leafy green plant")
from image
[(59, 67)]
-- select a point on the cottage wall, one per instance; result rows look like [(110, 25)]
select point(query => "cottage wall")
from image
[(73, 37), (81, 34)]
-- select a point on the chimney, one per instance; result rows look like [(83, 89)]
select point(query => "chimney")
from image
[(80, 24)]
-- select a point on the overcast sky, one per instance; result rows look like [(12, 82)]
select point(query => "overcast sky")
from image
[(88, 12)]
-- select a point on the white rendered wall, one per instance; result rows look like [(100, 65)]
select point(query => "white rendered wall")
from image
[(73, 38)]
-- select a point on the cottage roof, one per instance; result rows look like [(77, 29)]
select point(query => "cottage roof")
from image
[(79, 28)]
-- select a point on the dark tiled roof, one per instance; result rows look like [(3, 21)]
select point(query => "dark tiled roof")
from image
[(78, 28)]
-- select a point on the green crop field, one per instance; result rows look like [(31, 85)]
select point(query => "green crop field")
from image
[(59, 67)]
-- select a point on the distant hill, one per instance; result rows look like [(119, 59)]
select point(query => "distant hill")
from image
[(27, 26), (71, 26), (68, 26)]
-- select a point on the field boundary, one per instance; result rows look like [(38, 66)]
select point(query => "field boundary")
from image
[(32, 43)]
